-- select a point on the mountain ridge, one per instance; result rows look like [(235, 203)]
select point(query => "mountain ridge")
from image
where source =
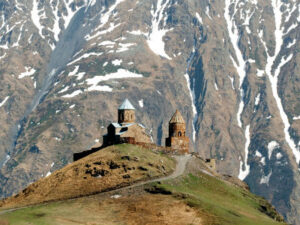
[(230, 67)]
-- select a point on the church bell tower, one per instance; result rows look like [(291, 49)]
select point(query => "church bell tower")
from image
[(177, 140), (126, 112)]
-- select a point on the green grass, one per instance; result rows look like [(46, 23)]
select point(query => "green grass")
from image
[(26, 216), (219, 202), (69, 212)]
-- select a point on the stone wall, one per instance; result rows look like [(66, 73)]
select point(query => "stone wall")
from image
[(178, 143)]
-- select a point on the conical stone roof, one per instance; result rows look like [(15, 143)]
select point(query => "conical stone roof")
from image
[(126, 105), (177, 118)]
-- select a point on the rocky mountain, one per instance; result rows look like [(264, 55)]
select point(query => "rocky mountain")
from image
[(230, 66)]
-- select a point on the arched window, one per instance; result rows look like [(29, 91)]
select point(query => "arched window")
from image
[(131, 117), (184, 134), (179, 133)]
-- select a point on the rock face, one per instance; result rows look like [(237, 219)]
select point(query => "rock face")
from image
[(231, 67)]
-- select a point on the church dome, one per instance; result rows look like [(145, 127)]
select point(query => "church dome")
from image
[(126, 105), (177, 118)]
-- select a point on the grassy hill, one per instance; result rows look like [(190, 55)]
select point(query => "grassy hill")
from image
[(110, 168), (199, 196)]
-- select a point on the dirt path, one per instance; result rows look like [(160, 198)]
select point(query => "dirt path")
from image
[(182, 161)]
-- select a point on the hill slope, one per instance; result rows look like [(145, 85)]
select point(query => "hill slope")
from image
[(109, 168), (199, 196)]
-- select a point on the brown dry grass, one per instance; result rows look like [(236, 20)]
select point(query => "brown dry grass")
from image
[(110, 168), (134, 209), (156, 209)]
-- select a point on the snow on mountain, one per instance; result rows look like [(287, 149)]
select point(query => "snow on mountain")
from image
[(230, 67), (155, 40), (4, 101)]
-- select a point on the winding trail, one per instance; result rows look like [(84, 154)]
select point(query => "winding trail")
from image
[(182, 161)]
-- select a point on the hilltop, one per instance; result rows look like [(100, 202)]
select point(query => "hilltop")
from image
[(110, 168), (130, 192)]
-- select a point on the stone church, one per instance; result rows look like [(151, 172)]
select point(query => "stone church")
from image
[(126, 130)]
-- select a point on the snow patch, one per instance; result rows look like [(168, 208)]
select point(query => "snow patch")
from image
[(64, 89), (271, 146), (278, 156), (86, 55), (91, 3), (75, 73), (109, 44), (57, 139), (216, 86), (296, 118), (199, 18), (111, 27), (4, 101), (246, 170), (116, 196), (137, 32), (35, 17), (7, 158), (117, 62), (207, 12), (103, 21), (124, 47), (192, 95), (120, 74), (29, 72), (155, 39), (72, 73), (70, 12), (232, 81), (75, 93), (279, 36), (265, 179), (80, 75), (263, 161), (48, 174), (3, 56), (55, 28), (257, 99), (260, 73), (240, 64), (291, 44), (141, 103), (258, 154)]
